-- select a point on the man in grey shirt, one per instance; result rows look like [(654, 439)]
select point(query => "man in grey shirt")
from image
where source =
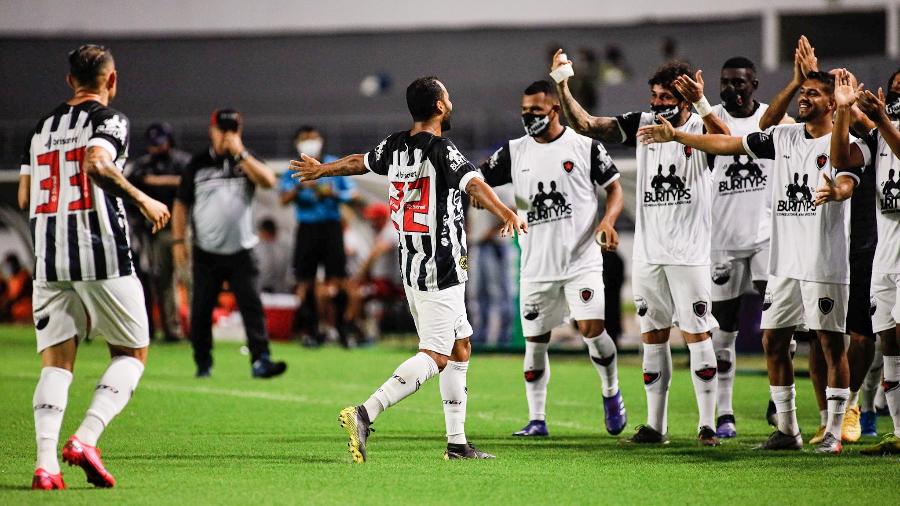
[(216, 191)]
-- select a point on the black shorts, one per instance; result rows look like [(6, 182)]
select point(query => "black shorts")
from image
[(320, 244), (859, 305)]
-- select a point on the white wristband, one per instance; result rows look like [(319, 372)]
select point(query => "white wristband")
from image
[(702, 106), (562, 73)]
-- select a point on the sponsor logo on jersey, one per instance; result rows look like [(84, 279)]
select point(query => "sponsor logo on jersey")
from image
[(742, 177), (890, 189), (116, 127), (721, 273), (586, 294), (640, 305), (667, 189), (568, 165), (548, 206), (700, 308), (457, 160), (650, 377), (798, 198), (706, 374), (826, 304)]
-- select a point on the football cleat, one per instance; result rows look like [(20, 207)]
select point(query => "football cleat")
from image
[(203, 372), (851, 430), (725, 428), (644, 434), (614, 413), (830, 445), (76, 453), (770, 414), (707, 437), (889, 445), (535, 428), (868, 422), (355, 420), (265, 368), (819, 436), (45, 481), (465, 451), (780, 441)]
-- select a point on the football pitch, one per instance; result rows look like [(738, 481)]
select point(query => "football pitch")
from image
[(230, 439)]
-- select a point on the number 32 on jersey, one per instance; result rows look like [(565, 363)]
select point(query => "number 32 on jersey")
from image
[(410, 201)]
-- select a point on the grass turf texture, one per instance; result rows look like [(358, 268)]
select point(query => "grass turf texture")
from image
[(234, 440)]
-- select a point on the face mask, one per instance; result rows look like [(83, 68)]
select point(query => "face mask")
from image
[(731, 100), (535, 124), (892, 104), (669, 112), (310, 147)]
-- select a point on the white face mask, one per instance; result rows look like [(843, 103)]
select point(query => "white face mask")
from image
[(310, 147)]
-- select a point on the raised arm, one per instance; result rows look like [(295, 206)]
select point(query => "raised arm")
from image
[(603, 128), (606, 230), (804, 62), (874, 108), (692, 90), (713, 144), (481, 193), (843, 154), (308, 168)]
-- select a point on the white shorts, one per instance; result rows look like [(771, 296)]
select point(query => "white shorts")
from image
[(806, 305), (733, 272), (545, 304), (440, 317), (666, 295), (112, 308), (886, 295)]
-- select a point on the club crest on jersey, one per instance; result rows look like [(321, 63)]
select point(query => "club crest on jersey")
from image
[(741, 177), (798, 198), (667, 189), (586, 294), (116, 127), (821, 160), (688, 151), (700, 308), (721, 273), (650, 377), (548, 206), (706, 374), (767, 300), (568, 165), (640, 305), (826, 304)]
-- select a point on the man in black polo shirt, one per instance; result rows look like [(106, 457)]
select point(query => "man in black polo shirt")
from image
[(217, 190)]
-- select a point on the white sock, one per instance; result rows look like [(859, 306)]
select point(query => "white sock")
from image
[(703, 367), (892, 389), (113, 392), (853, 401), (723, 344), (870, 384), (455, 394), (405, 381), (837, 405), (786, 416), (602, 350), (49, 402), (537, 375), (657, 364)]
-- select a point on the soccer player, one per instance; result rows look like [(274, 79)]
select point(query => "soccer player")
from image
[(562, 263), (427, 176), (84, 283), (671, 279), (885, 140), (808, 266)]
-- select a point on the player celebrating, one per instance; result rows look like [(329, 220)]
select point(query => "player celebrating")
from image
[(672, 236), (885, 140), (84, 283), (427, 176), (803, 290), (561, 266)]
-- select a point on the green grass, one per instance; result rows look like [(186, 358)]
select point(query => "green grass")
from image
[(234, 440)]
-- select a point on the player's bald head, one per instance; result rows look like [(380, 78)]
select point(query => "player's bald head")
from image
[(90, 65)]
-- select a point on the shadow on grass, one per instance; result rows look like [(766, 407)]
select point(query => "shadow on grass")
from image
[(243, 457)]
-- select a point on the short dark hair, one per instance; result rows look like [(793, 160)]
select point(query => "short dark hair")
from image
[(87, 63), (891, 81), (422, 96), (823, 77), (305, 129), (739, 62), (542, 86), (666, 74)]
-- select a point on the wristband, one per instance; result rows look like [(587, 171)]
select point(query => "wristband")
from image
[(702, 106), (242, 155), (563, 72)]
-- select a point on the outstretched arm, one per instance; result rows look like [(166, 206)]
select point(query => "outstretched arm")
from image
[(804, 62), (713, 144), (603, 128), (308, 168), (606, 231), (485, 197)]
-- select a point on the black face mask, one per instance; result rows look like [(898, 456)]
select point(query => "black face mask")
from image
[(892, 104), (669, 112), (535, 124), (731, 99)]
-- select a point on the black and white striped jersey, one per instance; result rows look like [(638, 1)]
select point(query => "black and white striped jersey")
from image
[(78, 231), (427, 176)]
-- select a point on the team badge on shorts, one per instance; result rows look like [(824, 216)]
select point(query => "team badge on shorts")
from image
[(586, 294), (640, 305), (767, 300), (873, 305), (700, 308), (821, 160), (826, 304), (531, 311), (568, 165), (721, 273)]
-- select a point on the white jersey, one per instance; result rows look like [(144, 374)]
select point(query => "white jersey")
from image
[(673, 188), (79, 231), (741, 202), (887, 197), (809, 243), (556, 188)]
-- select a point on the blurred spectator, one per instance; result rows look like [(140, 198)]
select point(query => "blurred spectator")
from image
[(614, 70), (272, 258), (584, 84), (158, 174), (669, 49), (15, 291), (489, 273), (320, 241)]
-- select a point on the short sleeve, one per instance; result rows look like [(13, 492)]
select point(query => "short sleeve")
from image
[(185, 192), (25, 162), (497, 170), (865, 148), (456, 169), (628, 125), (376, 160), (110, 132), (603, 170), (856, 172), (871, 140), (760, 144)]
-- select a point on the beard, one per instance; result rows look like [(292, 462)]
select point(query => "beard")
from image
[(445, 122)]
